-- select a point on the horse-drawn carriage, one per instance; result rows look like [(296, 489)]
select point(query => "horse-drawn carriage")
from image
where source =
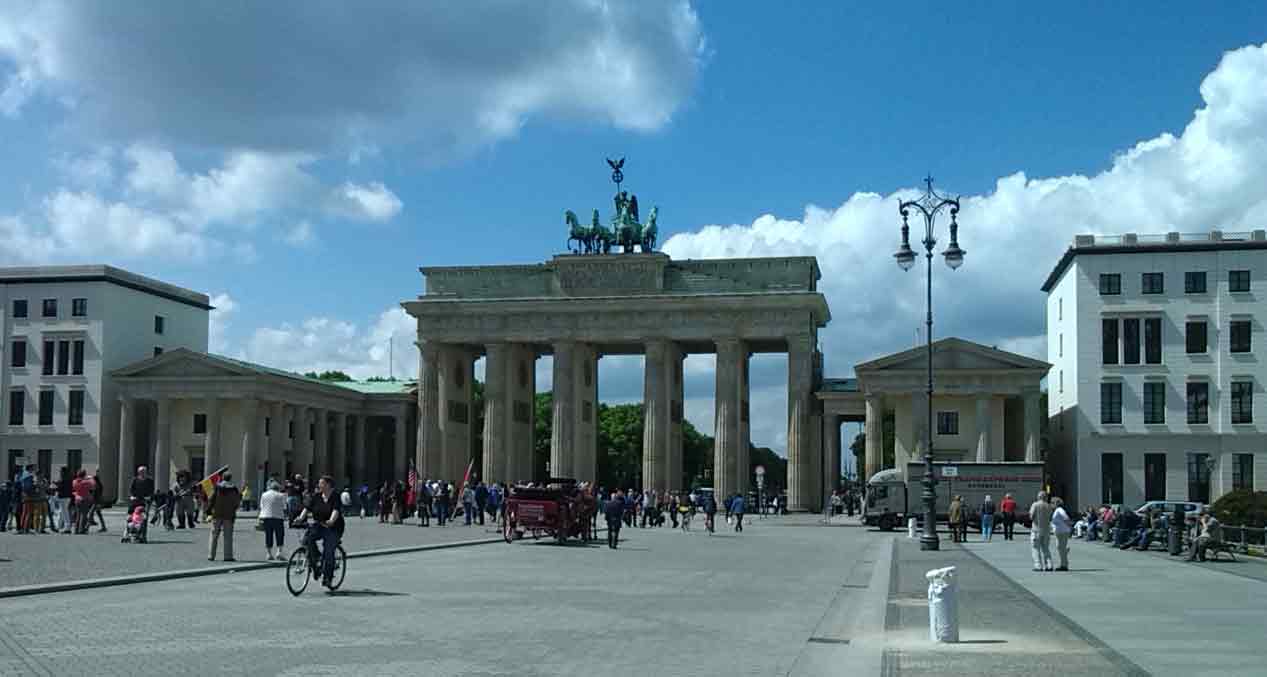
[(559, 510)]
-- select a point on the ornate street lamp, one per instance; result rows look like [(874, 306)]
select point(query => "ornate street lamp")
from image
[(929, 204)]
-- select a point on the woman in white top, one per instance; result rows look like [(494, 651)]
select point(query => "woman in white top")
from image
[(1063, 526), (273, 516)]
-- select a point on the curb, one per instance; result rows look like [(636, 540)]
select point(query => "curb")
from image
[(67, 586)]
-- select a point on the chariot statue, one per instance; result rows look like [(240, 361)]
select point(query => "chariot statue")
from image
[(626, 231)]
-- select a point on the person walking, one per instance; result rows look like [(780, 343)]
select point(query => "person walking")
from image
[(273, 517), (1040, 532), (1063, 525), (481, 500), (224, 510), (424, 504), (987, 518), (737, 507), (83, 489), (468, 504), (1007, 509), (60, 501), (185, 500), (614, 511), (953, 516)]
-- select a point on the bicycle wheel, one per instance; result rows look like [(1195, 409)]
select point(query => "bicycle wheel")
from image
[(297, 571), (340, 567)]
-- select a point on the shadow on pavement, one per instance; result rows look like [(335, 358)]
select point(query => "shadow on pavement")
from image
[(982, 641), (365, 593)]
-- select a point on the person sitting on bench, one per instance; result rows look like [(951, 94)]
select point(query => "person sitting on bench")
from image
[(1211, 534)]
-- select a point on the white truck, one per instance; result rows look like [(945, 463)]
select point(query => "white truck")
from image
[(891, 499)]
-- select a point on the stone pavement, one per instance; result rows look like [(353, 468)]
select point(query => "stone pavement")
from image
[(52, 558), (1162, 614)]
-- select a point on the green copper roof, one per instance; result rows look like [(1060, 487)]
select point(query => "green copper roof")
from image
[(377, 387)]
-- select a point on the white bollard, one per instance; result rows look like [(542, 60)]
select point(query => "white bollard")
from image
[(943, 605), (910, 527)]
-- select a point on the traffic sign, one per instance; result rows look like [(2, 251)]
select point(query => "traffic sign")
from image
[(759, 470), (950, 471)]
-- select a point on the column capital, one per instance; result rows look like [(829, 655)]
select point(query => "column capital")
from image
[(655, 347), (800, 342)]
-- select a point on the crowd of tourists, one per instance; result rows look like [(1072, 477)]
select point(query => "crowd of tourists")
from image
[(32, 504)]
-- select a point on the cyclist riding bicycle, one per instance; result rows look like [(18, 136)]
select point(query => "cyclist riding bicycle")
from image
[(324, 507)]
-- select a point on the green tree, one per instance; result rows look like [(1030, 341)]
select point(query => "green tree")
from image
[(380, 379), (329, 375), (543, 425), (859, 446), (697, 456), (775, 468), (620, 445)]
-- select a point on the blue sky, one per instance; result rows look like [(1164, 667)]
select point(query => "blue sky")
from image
[(300, 164)]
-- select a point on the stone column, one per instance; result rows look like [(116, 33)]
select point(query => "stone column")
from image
[(803, 484), (743, 445), (496, 411), (340, 453), (562, 434), (252, 447), (211, 441), (1033, 426), (874, 436), (303, 444), (522, 396), (673, 357), (455, 365), (358, 451), (585, 428), (399, 471), (162, 446), (321, 443), (655, 420), (985, 428), (127, 447), (831, 446), (727, 416), (920, 431), (429, 455), (276, 439)]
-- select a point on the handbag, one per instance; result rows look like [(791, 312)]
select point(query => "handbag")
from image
[(259, 524)]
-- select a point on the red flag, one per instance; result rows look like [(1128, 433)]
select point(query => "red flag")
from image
[(467, 477)]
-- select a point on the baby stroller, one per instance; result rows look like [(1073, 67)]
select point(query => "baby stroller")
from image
[(137, 528)]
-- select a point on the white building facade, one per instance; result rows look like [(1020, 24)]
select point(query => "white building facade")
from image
[(65, 329), (1159, 362)]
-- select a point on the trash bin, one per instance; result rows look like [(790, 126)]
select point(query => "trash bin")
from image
[(910, 527), (943, 605)]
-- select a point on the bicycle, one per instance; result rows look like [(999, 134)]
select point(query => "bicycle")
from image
[(686, 516), (304, 566)]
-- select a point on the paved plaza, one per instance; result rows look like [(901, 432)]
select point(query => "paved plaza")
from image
[(788, 596)]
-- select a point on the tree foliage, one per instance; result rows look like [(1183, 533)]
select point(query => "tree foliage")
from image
[(329, 376), (1241, 508)]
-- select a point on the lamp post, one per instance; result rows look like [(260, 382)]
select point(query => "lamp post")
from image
[(929, 205)]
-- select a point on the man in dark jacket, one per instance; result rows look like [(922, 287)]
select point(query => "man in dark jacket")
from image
[(142, 489), (614, 511), (481, 499), (224, 510)]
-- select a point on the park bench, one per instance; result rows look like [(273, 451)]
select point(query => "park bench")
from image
[(1213, 549)]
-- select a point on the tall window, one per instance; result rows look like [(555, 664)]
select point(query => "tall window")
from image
[(50, 308), (1111, 478), (1240, 336), (77, 361), (79, 307), (19, 308), (47, 358), (157, 351), (1152, 283), (75, 411), (1110, 284), (46, 407), (1060, 345), (947, 423), (1238, 280), (200, 424), (44, 458), (17, 357), (1152, 340), (1242, 402), (1111, 403), (1195, 336), (1154, 402), (17, 407), (74, 460), (63, 358), (1198, 403), (159, 323), (1108, 338), (1243, 472), (1198, 478), (1194, 282), (1130, 340), (1154, 477)]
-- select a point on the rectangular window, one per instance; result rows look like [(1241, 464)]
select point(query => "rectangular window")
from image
[(46, 360), (200, 424), (1130, 340), (1238, 280), (17, 407), (19, 308), (947, 423), (1239, 341), (1154, 402), (1111, 478), (1195, 337), (1194, 282), (1198, 403), (290, 429), (74, 460), (1242, 402), (1062, 380), (63, 358), (1152, 283), (268, 426), (1060, 309), (77, 360), (1108, 336), (157, 351), (312, 431), (45, 462), (17, 357), (75, 415), (1110, 284), (1154, 477), (50, 308), (158, 324), (1242, 472), (1152, 340), (79, 307), (46, 407), (1060, 345), (1198, 478), (1111, 403)]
